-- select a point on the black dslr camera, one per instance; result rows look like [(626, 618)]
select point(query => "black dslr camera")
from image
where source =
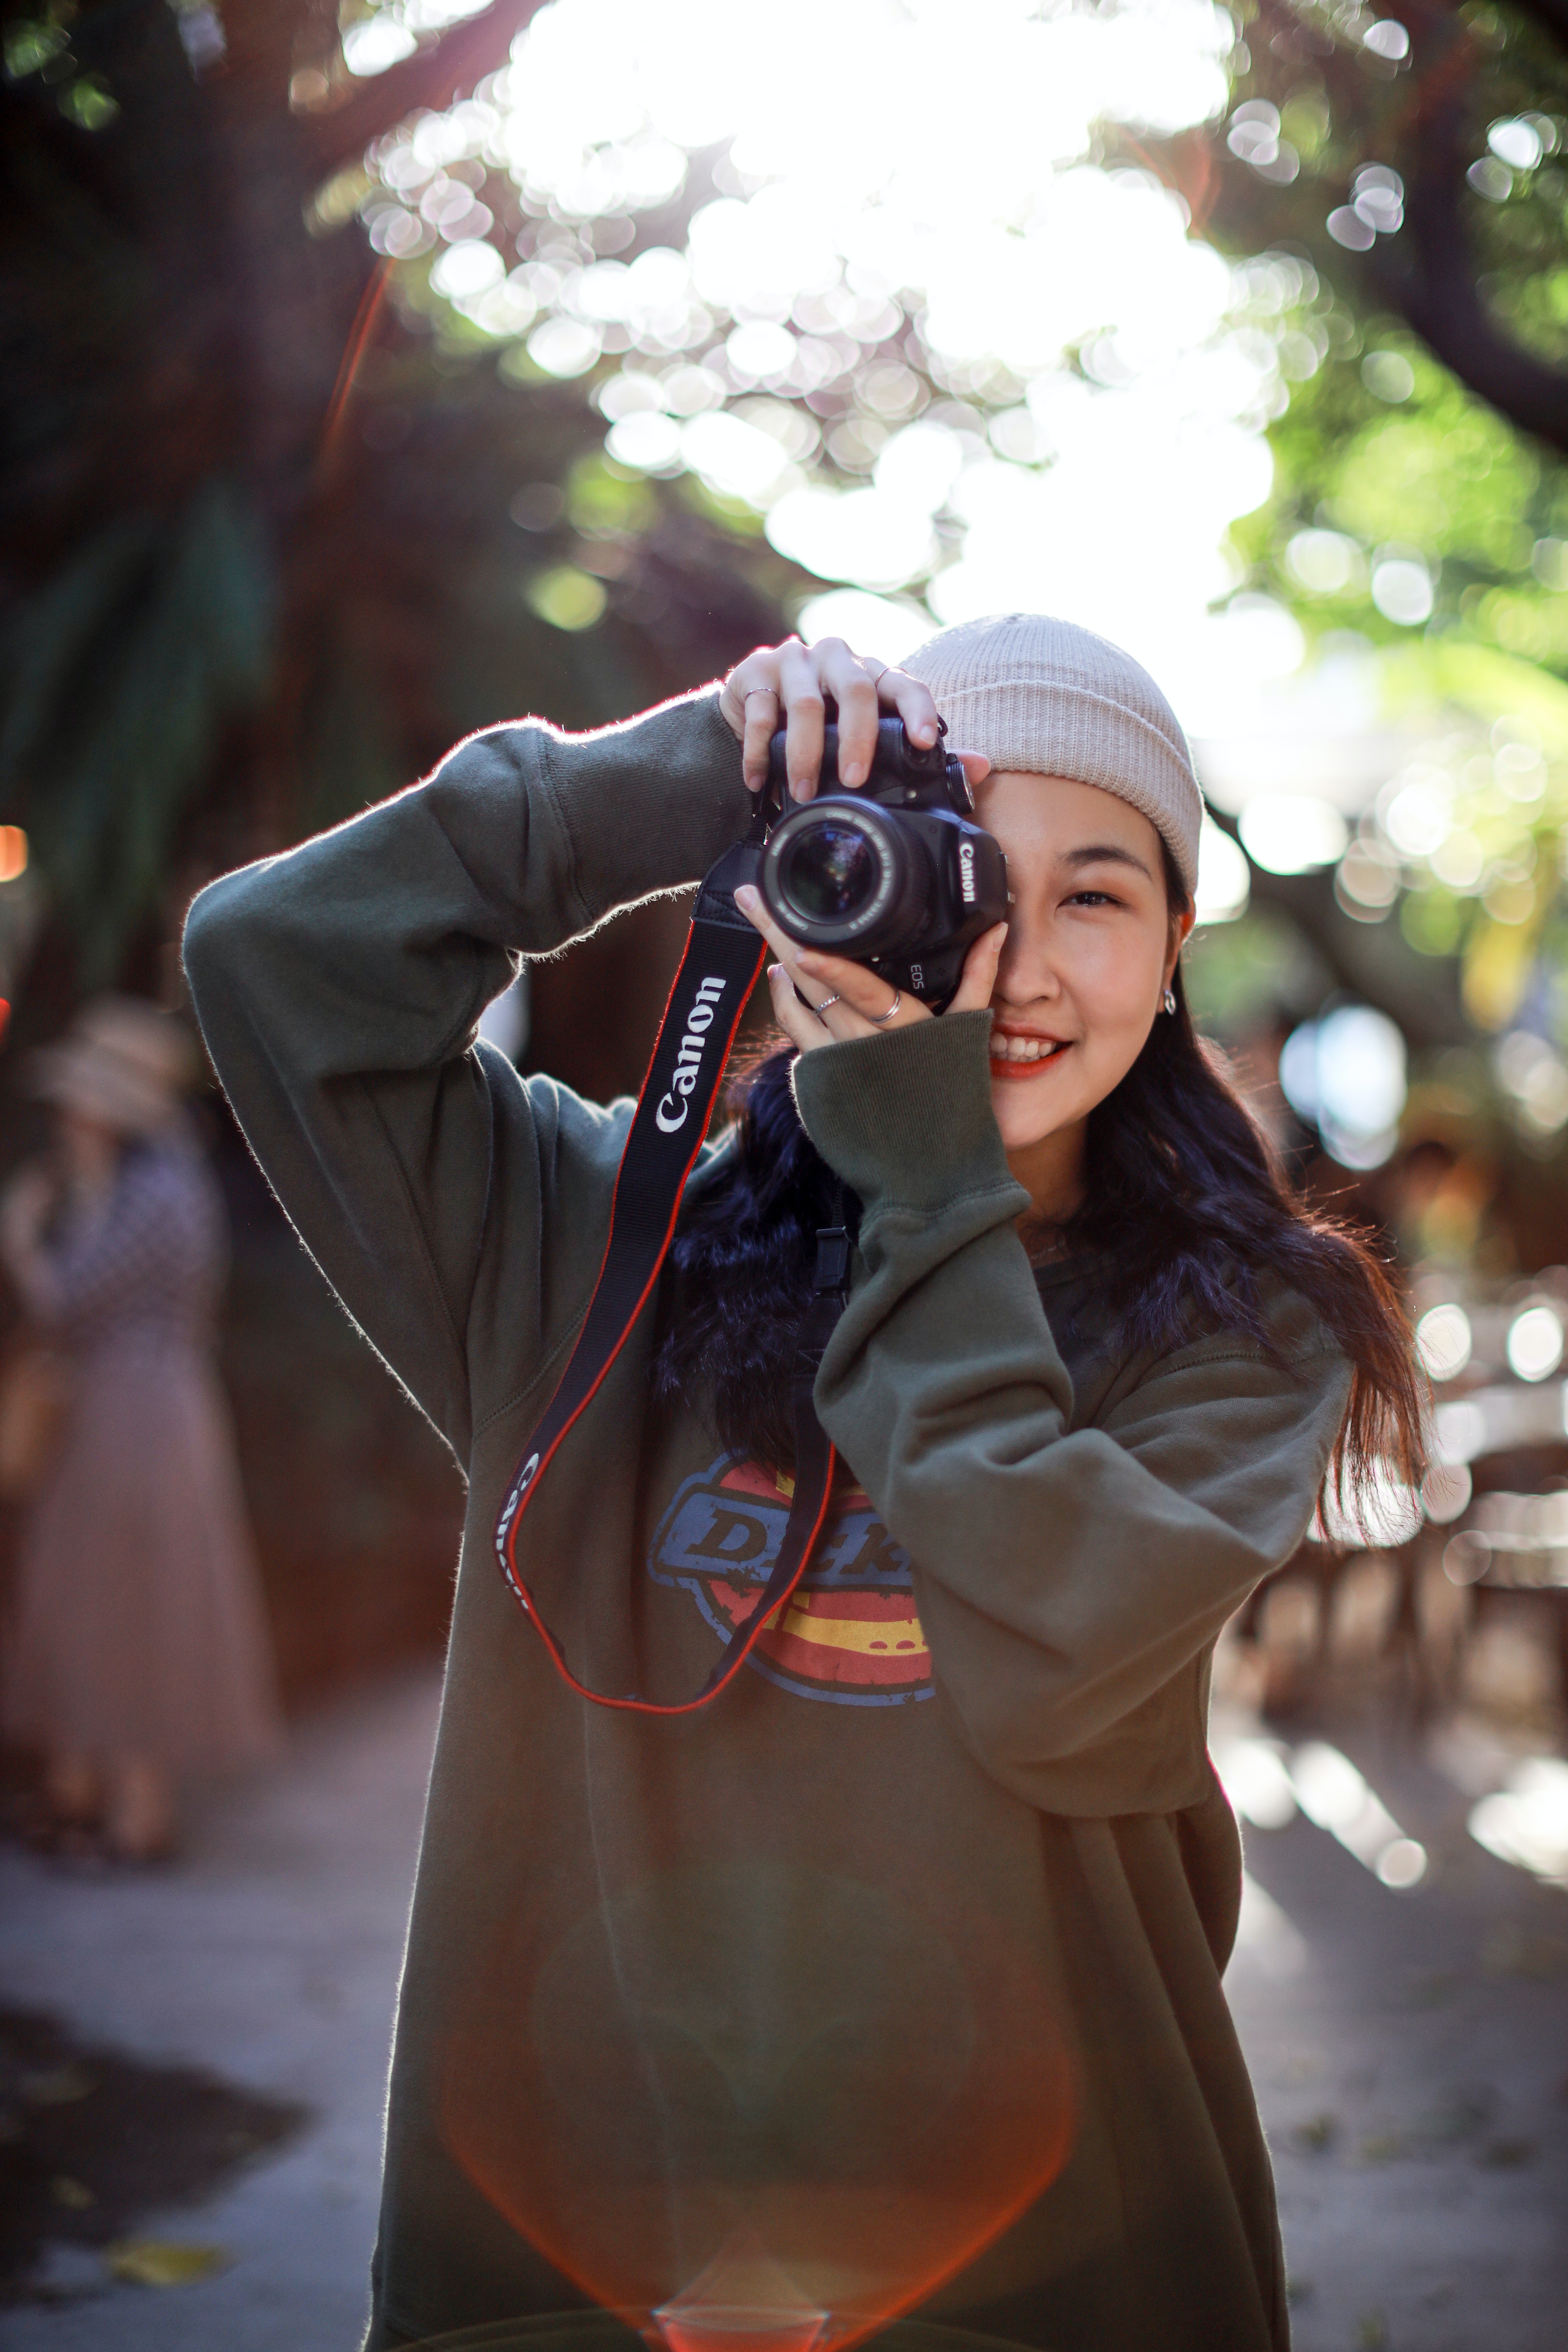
[(897, 875)]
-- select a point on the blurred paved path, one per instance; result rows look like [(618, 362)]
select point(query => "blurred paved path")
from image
[(1411, 2052), (270, 1955)]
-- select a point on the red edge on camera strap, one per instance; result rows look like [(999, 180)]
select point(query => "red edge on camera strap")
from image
[(813, 1492)]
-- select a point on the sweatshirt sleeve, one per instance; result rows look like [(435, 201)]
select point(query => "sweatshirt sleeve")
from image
[(453, 1206), (1066, 1575)]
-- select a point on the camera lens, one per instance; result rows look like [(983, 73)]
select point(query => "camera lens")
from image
[(830, 872)]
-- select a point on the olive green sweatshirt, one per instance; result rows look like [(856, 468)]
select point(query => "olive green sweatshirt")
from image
[(891, 1980)]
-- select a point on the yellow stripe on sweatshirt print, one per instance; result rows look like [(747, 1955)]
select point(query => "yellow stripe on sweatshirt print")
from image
[(850, 1634)]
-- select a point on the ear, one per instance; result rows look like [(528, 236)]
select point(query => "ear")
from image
[(1181, 931)]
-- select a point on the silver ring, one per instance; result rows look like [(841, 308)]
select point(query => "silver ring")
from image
[(880, 1017), (820, 1009), (759, 690)]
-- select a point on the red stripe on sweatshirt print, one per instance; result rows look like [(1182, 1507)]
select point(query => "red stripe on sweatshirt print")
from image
[(848, 1635)]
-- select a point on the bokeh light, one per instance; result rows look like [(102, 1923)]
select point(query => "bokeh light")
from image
[(1445, 1492), (1224, 880), (1346, 1075), (1332, 1794), (1534, 1345), (1385, 1511), (1526, 1823), (1401, 590), (1292, 833), (1443, 1342), (565, 597), (1102, 378)]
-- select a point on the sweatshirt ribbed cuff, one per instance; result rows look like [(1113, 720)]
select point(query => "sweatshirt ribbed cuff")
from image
[(906, 1118)]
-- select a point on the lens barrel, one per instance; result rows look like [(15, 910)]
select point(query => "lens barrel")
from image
[(897, 875), (836, 874)]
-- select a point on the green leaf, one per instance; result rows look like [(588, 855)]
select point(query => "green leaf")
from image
[(121, 673)]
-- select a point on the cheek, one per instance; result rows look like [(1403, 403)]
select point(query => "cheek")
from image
[(1112, 980), (1115, 981)]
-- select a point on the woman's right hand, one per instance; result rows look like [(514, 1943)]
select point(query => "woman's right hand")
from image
[(792, 682)]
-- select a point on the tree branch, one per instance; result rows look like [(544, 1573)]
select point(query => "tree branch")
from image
[(1427, 272), (436, 75)]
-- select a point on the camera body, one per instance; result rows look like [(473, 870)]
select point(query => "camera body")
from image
[(896, 874)]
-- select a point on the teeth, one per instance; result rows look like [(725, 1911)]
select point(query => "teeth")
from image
[(1022, 1049)]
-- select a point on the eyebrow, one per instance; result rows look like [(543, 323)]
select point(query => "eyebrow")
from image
[(1107, 854)]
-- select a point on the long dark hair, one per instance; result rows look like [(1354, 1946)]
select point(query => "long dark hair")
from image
[(1183, 1192)]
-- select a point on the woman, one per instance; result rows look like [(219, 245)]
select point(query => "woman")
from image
[(889, 1981), (138, 1652)]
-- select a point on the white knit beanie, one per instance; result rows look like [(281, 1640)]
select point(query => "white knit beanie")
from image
[(1052, 699)]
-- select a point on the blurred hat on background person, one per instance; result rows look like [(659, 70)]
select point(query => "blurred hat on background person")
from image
[(121, 1061)]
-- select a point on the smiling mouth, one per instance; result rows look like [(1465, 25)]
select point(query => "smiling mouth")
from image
[(1016, 1056)]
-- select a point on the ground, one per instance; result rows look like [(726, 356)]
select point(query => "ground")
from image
[(269, 1958), (1410, 2048), (1410, 2051)]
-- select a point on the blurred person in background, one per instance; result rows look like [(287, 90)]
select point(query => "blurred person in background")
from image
[(137, 1651)]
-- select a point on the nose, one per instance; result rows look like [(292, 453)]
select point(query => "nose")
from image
[(1026, 974)]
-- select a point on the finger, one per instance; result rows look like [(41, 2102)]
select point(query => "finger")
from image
[(812, 980), (979, 981), (867, 1001), (750, 902), (799, 1023), (805, 717), (912, 701), (852, 684), (976, 766), (732, 707), (762, 708), (749, 704), (789, 952), (753, 671)]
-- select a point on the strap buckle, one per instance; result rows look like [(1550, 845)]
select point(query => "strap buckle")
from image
[(832, 1259)]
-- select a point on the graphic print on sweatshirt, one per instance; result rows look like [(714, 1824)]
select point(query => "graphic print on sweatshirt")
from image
[(848, 1634)]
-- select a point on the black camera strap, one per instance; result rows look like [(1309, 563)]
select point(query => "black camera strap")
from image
[(722, 960)]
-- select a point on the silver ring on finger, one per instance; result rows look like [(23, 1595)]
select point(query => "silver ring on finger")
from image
[(751, 690), (880, 1018), (820, 1009)]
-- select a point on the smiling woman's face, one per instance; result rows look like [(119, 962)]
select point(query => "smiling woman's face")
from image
[(1091, 945)]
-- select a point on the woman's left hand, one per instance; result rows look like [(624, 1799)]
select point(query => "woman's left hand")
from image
[(845, 1000)]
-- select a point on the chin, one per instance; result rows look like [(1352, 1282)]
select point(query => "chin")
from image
[(1023, 1122)]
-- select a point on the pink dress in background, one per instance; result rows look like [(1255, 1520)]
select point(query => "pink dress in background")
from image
[(137, 1626)]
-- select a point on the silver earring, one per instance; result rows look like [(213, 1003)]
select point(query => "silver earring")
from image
[(1170, 1000)]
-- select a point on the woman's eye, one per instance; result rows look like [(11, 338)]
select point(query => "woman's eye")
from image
[(1093, 899)]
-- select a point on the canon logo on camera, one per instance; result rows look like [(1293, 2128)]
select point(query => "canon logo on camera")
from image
[(966, 871), (689, 1060)]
